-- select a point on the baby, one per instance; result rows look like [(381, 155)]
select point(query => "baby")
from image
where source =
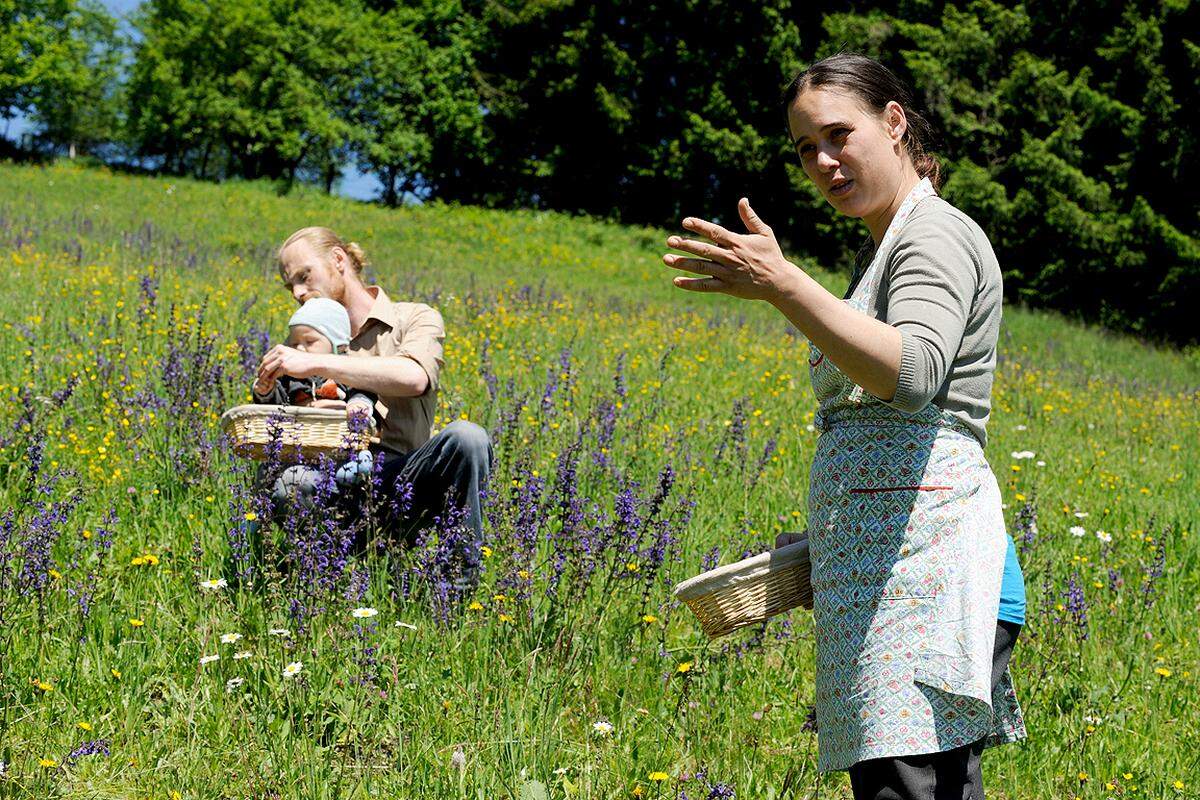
[(319, 326)]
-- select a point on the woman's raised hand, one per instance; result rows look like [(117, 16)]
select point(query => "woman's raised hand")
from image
[(748, 265)]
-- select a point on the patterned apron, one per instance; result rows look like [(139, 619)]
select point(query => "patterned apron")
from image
[(907, 542)]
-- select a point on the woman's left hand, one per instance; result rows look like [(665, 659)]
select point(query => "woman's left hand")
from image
[(748, 265)]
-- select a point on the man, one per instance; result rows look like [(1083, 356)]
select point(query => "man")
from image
[(395, 351)]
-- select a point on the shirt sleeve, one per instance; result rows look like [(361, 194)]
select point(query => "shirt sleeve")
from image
[(421, 340), (932, 281)]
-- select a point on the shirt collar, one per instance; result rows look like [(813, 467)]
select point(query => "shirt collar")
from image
[(383, 309)]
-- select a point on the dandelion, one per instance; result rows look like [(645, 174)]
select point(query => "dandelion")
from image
[(1163, 672), (87, 726), (135, 622), (213, 584), (1178, 785), (116, 673), (659, 776), (487, 551), (48, 763), (649, 619), (292, 669), (475, 606), (230, 638), (686, 666), (43, 687), (602, 728), (209, 659), (363, 613), (251, 516), (1078, 531), (242, 654), (458, 759)]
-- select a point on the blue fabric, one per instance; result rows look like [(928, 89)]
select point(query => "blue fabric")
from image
[(1012, 588)]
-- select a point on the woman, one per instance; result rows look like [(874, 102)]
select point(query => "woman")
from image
[(906, 532)]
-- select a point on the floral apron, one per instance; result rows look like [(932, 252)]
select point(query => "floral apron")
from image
[(907, 543)]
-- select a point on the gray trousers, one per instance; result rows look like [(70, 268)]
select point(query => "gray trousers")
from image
[(453, 465), (948, 775)]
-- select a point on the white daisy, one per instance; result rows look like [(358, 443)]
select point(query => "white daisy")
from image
[(1020, 455), (213, 584), (1081, 514), (233, 683), (241, 654), (363, 613), (230, 638), (209, 659), (602, 727), (1103, 536), (280, 632), (1077, 531), (408, 625), (1022, 427), (292, 669)]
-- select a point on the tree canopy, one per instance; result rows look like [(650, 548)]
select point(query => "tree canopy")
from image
[(1068, 132)]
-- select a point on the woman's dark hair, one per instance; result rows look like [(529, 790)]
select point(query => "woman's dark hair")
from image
[(875, 85)]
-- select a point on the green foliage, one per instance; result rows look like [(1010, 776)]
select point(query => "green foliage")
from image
[(1066, 132), (59, 61)]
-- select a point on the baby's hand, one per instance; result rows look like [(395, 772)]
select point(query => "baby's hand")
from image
[(359, 405)]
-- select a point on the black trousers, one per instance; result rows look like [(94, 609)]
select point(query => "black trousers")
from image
[(948, 775), (453, 466)]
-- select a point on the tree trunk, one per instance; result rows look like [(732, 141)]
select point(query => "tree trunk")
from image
[(389, 186)]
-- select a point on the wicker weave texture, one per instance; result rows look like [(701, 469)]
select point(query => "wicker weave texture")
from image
[(304, 432), (749, 591)]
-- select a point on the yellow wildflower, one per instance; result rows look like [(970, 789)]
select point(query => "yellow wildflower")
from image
[(135, 622), (686, 666), (47, 762), (649, 619), (87, 726), (659, 776)]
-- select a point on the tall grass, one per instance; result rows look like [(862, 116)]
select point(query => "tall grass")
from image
[(642, 435)]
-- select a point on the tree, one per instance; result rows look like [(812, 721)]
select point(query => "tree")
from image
[(59, 62)]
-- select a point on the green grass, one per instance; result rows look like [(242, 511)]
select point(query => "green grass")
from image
[(1114, 421)]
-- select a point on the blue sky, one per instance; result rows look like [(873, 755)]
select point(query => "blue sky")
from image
[(352, 183)]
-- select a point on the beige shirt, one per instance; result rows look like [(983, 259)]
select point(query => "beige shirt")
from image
[(416, 331)]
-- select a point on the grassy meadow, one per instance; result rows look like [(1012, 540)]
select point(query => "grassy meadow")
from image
[(642, 434)]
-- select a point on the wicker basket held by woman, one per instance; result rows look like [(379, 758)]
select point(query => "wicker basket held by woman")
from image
[(751, 590)]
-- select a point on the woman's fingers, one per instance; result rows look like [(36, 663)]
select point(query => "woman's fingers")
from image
[(710, 230), (700, 284), (702, 249), (698, 265)]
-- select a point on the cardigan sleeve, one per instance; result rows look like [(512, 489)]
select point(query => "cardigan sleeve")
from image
[(932, 278)]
